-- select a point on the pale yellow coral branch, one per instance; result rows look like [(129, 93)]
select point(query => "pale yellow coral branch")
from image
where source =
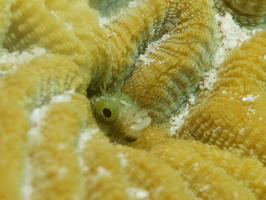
[(232, 115), (163, 80), (31, 85)]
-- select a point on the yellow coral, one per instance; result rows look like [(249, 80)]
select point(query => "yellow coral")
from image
[(108, 7), (129, 34), (250, 13), (52, 156), (51, 146), (251, 7), (213, 173), (31, 85), (65, 27), (232, 115), (163, 85), (4, 18), (163, 183), (163, 80)]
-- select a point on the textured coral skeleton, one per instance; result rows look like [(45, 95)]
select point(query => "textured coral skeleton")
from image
[(246, 13), (59, 64), (239, 91)]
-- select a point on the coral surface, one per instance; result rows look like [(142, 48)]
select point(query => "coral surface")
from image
[(249, 13), (232, 115), (75, 81)]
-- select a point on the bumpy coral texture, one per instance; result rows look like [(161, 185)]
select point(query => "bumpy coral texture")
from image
[(108, 7), (163, 80), (4, 17), (30, 86), (232, 115), (249, 13), (252, 7), (175, 66), (54, 52), (130, 35)]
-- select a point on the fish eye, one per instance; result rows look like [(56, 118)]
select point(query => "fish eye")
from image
[(106, 112)]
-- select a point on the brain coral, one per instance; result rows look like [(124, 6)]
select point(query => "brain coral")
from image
[(59, 59), (251, 13), (232, 114)]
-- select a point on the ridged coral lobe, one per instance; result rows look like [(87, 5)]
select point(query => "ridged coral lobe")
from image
[(162, 82), (209, 170), (232, 114), (251, 7), (249, 14), (31, 85), (166, 182), (59, 28), (129, 34), (54, 161), (64, 154), (4, 18)]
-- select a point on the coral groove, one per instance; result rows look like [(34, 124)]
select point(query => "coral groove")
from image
[(176, 65), (58, 60), (30, 86), (232, 114), (247, 13)]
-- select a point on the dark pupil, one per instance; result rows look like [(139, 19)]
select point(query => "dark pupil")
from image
[(107, 112)]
